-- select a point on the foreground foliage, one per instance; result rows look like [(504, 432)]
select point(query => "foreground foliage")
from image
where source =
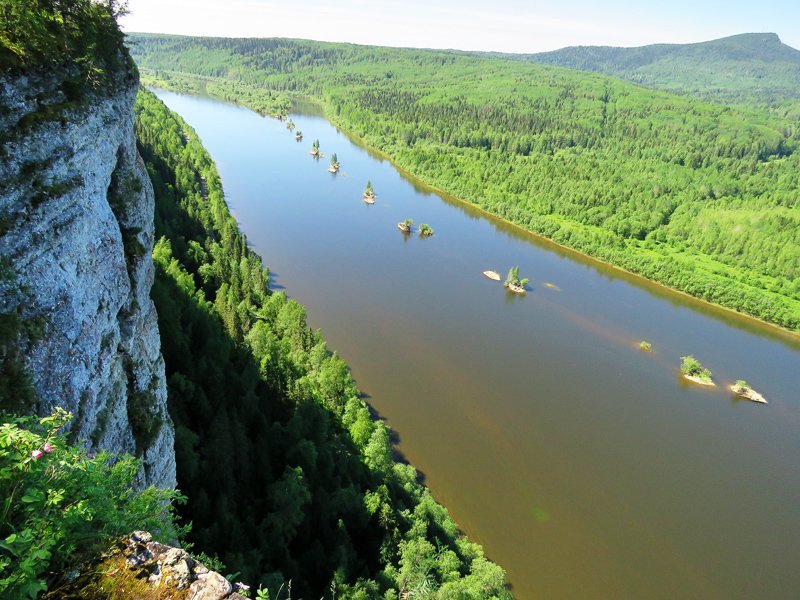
[(698, 196), (78, 39), (59, 506), (287, 475)]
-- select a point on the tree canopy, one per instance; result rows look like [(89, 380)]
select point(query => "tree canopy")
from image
[(79, 38)]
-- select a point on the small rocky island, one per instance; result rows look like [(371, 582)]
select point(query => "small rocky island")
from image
[(513, 283), (290, 125), (405, 226), (743, 390), (369, 194), (493, 275), (298, 135), (334, 167), (425, 230), (315, 149), (695, 372)]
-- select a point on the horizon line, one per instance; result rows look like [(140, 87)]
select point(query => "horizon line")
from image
[(451, 49)]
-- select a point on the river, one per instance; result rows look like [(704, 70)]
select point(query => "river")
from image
[(586, 467)]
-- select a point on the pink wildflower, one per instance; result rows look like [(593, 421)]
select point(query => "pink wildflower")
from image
[(48, 447), (36, 454)]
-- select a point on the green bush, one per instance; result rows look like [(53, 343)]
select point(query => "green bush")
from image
[(513, 278), (61, 505)]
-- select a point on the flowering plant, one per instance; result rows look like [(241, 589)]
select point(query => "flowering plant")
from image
[(58, 504)]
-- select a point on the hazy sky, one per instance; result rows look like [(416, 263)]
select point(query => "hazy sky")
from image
[(503, 25)]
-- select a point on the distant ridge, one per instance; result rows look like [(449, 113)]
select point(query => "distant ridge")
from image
[(750, 67)]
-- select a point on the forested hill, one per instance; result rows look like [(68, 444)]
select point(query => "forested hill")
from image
[(751, 67), (699, 196)]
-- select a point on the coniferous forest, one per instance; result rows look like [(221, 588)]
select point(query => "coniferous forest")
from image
[(700, 196), (288, 477)]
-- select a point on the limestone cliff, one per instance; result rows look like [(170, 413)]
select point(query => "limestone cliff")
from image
[(76, 227)]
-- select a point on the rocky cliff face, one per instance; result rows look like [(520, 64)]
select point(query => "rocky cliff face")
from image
[(76, 226)]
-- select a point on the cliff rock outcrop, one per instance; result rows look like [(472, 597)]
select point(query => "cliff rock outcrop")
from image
[(76, 227), (138, 567)]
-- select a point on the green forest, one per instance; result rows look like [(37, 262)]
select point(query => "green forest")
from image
[(699, 196), (289, 479), (747, 68)]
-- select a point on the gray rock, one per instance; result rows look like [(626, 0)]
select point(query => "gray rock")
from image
[(173, 567), (77, 208), (210, 586)]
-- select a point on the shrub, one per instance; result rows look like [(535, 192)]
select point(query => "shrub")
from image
[(61, 505), (513, 278), (81, 34), (741, 385), (425, 230)]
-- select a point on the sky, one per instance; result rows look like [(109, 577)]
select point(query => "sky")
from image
[(498, 25)]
